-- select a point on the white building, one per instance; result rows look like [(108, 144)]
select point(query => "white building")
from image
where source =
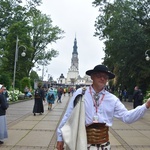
[(73, 77)]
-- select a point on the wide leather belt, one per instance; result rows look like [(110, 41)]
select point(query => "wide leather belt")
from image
[(97, 133)]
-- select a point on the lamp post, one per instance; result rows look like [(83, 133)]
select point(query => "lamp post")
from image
[(23, 54), (147, 56)]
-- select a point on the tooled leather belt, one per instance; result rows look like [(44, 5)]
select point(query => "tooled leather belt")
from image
[(97, 133)]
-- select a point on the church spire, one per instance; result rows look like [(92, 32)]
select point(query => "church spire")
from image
[(75, 47), (74, 60), (73, 71)]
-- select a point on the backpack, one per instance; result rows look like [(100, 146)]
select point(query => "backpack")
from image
[(50, 96), (37, 93)]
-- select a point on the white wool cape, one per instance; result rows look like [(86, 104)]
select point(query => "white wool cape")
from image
[(74, 132)]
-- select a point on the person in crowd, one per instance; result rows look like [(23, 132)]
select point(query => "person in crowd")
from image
[(45, 90), (125, 95), (68, 91), (3, 108), (120, 94), (6, 94), (65, 90), (59, 93), (55, 91), (50, 97), (137, 97), (39, 97), (95, 108), (26, 90), (29, 94), (72, 90)]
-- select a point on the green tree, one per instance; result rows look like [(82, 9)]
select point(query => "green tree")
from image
[(5, 80), (25, 82), (35, 32), (43, 33), (33, 76), (124, 25)]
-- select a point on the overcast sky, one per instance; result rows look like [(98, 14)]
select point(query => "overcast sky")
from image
[(76, 18)]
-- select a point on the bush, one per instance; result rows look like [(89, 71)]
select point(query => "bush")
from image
[(146, 96), (16, 95)]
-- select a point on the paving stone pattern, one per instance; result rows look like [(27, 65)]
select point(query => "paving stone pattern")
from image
[(28, 132)]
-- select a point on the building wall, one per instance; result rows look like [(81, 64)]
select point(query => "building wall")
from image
[(72, 75)]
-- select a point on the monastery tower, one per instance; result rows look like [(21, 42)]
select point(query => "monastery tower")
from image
[(73, 71)]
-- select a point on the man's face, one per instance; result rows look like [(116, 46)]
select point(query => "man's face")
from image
[(2, 89), (99, 79)]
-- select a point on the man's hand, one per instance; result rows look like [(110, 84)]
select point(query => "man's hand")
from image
[(60, 145), (148, 103)]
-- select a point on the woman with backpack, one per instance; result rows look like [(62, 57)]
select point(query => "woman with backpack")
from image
[(50, 97)]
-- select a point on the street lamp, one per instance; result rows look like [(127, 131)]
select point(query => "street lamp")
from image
[(147, 56), (23, 54)]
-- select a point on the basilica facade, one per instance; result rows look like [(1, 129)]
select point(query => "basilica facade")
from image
[(73, 76)]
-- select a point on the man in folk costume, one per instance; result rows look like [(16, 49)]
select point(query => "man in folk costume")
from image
[(85, 126)]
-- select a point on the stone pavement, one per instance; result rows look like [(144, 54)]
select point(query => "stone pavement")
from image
[(28, 132)]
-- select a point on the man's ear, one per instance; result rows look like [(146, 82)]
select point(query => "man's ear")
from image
[(91, 76)]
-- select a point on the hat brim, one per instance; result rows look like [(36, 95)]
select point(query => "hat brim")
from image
[(110, 74)]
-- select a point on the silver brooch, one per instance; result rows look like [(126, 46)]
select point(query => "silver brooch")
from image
[(96, 98)]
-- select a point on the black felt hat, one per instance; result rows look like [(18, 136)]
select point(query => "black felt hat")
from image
[(101, 68)]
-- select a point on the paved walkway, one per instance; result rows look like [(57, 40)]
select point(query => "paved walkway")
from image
[(28, 132)]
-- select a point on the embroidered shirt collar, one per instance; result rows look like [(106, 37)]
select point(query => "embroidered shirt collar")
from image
[(101, 92)]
